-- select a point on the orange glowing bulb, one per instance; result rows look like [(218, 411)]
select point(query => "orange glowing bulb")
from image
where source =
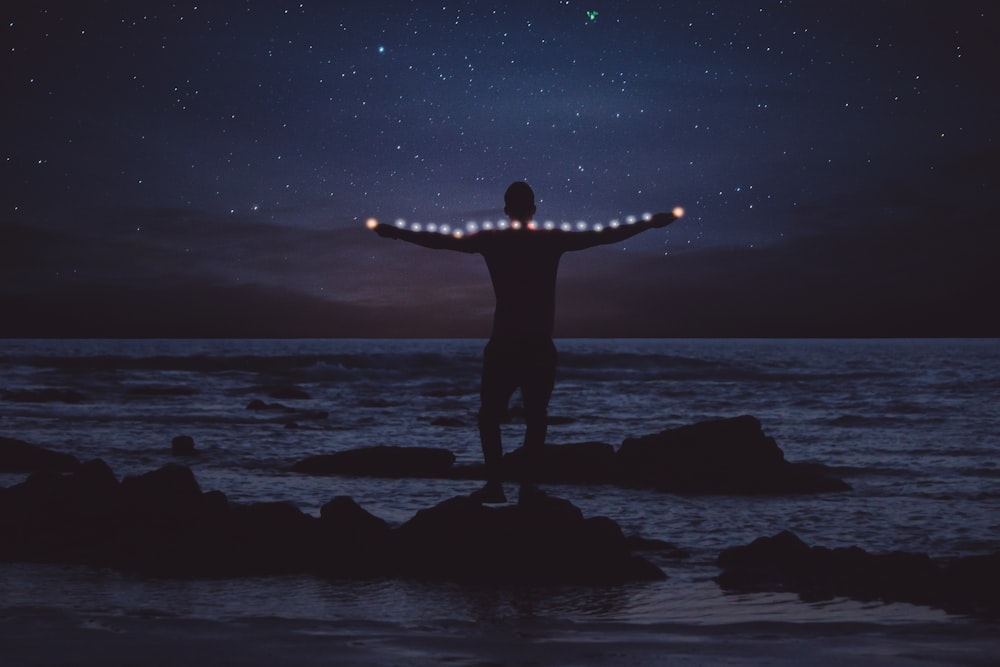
[(678, 212), (371, 223)]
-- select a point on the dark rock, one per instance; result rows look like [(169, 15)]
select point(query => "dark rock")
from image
[(356, 543), (347, 518), (665, 549), (731, 456), (546, 540), (784, 562), (380, 461), (160, 523), (20, 456), (169, 493), (182, 445), (581, 463), (49, 395)]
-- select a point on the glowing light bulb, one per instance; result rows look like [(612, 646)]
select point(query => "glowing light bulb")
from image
[(445, 229), (400, 222), (487, 224), (630, 219), (515, 224), (431, 227), (471, 227), (678, 211), (549, 224), (581, 225), (371, 223), (458, 234), (598, 227), (647, 216), (614, 224), (416, 227), (566, 227)]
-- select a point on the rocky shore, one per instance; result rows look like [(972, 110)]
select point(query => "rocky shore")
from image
[(727, 456)]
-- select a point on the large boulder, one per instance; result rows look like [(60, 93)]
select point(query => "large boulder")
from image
[(784, 562), (727, 456), (381, 461), (19, 456), (541, 540)]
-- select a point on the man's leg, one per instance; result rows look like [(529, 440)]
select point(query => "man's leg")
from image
[(536, 390), (494, 395)]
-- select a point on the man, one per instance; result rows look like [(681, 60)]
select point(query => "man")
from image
[(523, 261)]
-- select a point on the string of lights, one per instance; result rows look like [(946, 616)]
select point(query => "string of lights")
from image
[(473, 226)]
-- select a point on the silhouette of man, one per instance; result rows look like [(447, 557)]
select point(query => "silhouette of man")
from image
[(523, 261)]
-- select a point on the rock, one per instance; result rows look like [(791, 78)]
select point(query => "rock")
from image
[(356, 543), (784, 562), (544, 541), (49, 395), (380, 461), (170, 493), (160, 523), (349, 520), (730, 456), (19, 456), (665, 549), (580, 463), (182, 445)]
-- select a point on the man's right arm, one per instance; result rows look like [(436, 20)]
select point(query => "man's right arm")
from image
[(584, 240)]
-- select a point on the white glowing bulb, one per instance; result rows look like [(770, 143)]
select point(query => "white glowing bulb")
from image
[(471, 227), (598, 227), (445, 229), (549, 224), (566, 226), (415, 226), (400, 222), (431, 227), (581, 225), (647, 216), (630, 219), (487, 224), (614, 224)]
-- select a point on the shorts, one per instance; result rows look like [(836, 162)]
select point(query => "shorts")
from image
[(516, 363)]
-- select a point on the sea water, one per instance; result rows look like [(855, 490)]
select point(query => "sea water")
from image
[(912, 425)]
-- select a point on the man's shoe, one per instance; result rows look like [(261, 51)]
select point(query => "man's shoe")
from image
[(529, 494)]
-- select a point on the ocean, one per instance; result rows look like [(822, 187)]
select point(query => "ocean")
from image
[(912, 425)]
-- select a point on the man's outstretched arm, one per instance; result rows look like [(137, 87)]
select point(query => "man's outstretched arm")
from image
[(426, 239), (584, 240)]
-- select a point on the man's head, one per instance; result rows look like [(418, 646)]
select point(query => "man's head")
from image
[(519, 202)]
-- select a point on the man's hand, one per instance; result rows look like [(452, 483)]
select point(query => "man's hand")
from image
[(385, 231), (663, 219)]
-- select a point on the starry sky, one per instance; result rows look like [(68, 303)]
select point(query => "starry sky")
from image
[(205, 169)]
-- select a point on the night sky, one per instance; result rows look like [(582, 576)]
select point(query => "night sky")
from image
[(189, 169)]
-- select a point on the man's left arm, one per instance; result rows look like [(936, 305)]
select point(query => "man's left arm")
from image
[(584, 240)]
